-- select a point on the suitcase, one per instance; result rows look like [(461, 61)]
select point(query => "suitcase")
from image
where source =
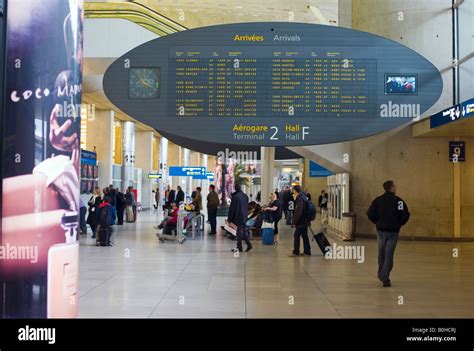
[(267, 236), (104, 236), (322, 241)]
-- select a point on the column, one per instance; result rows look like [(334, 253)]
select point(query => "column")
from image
[(144, 160), (457, 197), (128, 167), (173, 160), (163, 166), (267, 163), (186, 182), (100, 137), (204, 183)]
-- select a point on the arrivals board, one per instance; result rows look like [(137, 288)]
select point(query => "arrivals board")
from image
[(272, 84)]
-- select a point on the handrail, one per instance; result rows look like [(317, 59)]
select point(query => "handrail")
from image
[(137, 13)]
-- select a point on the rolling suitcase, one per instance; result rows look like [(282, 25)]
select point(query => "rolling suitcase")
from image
[(322, 241), (267, 236)]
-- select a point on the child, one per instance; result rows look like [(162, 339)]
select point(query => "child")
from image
[(105, 220)]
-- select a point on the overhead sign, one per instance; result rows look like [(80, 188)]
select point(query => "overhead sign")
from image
[(318, 171), (297, 84), (188, 171), (155, 176), (457, 151), (453, 113)]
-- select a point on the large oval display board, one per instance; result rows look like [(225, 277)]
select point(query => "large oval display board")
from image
[(273, 84)]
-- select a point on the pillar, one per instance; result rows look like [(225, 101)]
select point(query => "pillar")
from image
[(186, 182), (163, 165), (204, 183), (173, 160), (128, 166), (267, 163), (100, 136), (345, 13), (457, 197), (144, 161)]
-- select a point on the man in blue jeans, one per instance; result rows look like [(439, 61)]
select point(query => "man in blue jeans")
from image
[(389, 213)]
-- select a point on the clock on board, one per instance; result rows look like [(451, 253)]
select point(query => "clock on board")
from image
[(144, 83)]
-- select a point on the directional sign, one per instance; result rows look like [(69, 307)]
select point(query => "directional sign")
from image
[(453, 113), (188, 171), (155, 176), (318, 171)]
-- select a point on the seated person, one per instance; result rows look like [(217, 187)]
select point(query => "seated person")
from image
[(194, 206), (253, 213), (170, 223)]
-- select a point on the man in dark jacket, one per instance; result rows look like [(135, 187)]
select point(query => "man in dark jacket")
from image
[(179, 196), (301, 224), (389, 213), (171, 197), (212, 204), (238, 211), (121, 203)]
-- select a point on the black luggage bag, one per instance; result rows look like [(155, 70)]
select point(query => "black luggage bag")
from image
[(322, 241)]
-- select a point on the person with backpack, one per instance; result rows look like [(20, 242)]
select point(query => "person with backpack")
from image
[(389, 213), (275, 208), (301, 222), (105, 221)]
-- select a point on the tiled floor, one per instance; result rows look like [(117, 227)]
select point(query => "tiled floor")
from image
[(141, 278)]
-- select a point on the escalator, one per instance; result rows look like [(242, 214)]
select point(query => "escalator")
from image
[(137, 13)]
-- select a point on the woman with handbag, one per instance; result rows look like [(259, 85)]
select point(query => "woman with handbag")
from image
[(273, 213)]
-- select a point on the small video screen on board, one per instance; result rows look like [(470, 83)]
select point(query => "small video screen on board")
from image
[(401, 84)]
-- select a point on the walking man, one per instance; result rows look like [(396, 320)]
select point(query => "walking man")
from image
[(389, 213), (238, 211)]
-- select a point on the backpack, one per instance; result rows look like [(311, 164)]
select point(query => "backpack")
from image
[(104, 220), (310, 211)]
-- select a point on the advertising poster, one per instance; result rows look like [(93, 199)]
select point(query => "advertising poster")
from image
[(41, 159)]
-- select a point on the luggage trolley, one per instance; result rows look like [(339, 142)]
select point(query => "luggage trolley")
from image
[(196, 224), (180, 236)]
